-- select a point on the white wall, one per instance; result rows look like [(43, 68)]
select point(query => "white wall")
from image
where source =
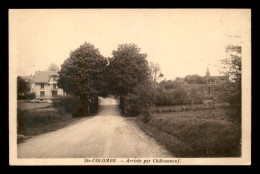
[(48, 87)]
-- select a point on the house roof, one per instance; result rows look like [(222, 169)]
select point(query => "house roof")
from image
[(44, 76), (219, 77)]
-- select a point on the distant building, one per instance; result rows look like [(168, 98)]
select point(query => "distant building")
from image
[(45, 85), (215, 79)]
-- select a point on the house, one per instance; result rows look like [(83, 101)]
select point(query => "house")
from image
[(45, 85)]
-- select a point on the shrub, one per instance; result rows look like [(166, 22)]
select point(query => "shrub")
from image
[(142, 97), (132, 105), (20, 121), (30, 96), (164, 98), (73, 105), (27, 119), (147, 115), (69, 103), (27, 96), (171, 97), (178, 96)]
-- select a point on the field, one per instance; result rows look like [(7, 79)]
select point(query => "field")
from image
[(202, 133), (196, 107), (44, 119), (28, 106)]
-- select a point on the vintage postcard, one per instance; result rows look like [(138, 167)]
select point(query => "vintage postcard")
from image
[(129, 87)]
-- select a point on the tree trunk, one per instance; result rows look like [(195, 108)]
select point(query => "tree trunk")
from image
[(122, 103), (96, 102), (86, 105), (82, 108)]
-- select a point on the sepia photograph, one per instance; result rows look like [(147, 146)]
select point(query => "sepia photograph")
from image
[(129, 87)]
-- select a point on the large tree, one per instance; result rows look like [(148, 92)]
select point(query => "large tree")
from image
[(155, 71), (231, 91), (127, 69), (82, 74), (53, 67)]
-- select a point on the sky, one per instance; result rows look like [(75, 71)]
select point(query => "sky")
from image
[(182, 41)]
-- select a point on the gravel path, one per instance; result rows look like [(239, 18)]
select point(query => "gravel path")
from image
[(106, 135)]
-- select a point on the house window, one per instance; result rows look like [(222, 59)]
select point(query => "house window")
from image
[(42, 85), (54, 78), (54, 86), (54, 93), (42, 93)]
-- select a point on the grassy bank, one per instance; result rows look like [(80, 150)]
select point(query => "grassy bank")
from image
[(204, 133), (31, 123), (195, 107), (30, 106)]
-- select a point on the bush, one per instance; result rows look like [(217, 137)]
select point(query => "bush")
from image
[(69, 103), (75, 106), (143, 96), (235, 108), (133, 105), (27, 119), (147, 115), (27, 96), (30, 96), (20, 121), (80, 109), (164, 98), (178, 96)]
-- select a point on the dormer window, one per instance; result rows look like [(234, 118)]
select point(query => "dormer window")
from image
[(54, 78)]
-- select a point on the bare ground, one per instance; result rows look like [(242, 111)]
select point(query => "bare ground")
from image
[(106, 135)]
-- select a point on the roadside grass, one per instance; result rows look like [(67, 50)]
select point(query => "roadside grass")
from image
[(31, 123), (196, 107), (30, 106), (204, 133)]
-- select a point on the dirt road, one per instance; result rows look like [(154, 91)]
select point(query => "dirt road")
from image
[(106, 135)]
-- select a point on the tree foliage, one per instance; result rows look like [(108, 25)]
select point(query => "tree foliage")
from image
[(82, 74), (22, 86), (155, 71), (168, 84), (53, 67), (128, 72), (231, 92), (127, 68), (140, 99), (195, 79)]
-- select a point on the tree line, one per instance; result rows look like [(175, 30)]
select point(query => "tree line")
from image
[(87, 74), (128, 75)]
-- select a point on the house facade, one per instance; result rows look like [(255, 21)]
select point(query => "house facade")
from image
[(45, 85)]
